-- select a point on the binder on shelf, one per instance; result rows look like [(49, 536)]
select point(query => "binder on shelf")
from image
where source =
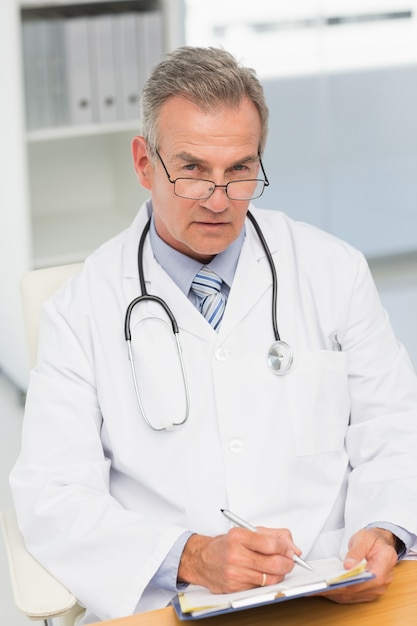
[(36, 41), (87, 69), (130, 72), (78, 70), (28, 45), (104, 72), (150, 37), (58, 92)]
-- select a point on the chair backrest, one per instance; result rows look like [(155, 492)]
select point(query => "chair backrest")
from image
[(36, 287), (36, 592)]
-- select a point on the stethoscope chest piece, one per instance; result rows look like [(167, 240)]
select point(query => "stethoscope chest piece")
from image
[(280, 357)]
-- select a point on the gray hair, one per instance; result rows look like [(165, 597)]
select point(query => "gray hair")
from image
[(208, 77)]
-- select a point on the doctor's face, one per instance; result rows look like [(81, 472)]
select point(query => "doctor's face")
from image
[(219, 146)]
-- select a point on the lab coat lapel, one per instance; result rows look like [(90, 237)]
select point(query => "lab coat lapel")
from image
[(188, 318), (252, 279), (158, 283)]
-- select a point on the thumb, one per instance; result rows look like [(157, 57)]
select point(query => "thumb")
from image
[(357, 551)]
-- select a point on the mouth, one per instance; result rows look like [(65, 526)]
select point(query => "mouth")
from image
[(211, 224)]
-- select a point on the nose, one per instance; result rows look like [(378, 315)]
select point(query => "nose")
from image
[(218, 200)]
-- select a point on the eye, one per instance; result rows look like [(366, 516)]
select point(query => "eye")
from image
[(189, 169), (240, 170)]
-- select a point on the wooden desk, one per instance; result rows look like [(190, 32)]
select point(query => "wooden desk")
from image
[(397, 607)]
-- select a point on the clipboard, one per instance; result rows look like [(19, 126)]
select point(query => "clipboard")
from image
[(198, 602)]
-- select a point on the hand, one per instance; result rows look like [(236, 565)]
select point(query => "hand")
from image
[(238, 560), (377, 547)]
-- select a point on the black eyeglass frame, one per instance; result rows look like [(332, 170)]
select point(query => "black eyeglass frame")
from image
[(265, 182)]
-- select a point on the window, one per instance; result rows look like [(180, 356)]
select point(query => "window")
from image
[(307, 36)]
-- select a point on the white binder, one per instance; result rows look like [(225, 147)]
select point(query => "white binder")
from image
[(102, 38), (58, 91), (78, 69), (36, 44), (150, 36), (130, 73), (28, 43)]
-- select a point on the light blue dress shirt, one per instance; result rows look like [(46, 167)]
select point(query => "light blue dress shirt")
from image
[(182, 268)]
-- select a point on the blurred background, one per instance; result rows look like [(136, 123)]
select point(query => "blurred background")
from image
[(341, 82)]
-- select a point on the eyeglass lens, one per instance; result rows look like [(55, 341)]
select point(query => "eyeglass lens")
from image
[(198, 189)]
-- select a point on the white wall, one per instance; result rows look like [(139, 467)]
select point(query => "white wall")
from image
[(342, 154)]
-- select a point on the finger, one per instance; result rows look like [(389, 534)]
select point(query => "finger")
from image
[(269, 541), (261, 555), (368, 544), (361, 546), (282, 535)]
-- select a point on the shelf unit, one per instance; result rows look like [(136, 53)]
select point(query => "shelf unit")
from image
[(65, 190)]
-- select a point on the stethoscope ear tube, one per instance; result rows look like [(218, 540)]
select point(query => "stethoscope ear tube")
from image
[(148, 297), (280, 354), (145, 295), (175, 330), (273, 273)]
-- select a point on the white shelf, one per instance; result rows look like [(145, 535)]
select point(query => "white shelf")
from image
[(69, 237), (66, 189), (69, 132)]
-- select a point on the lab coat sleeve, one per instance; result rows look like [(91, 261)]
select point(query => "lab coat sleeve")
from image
[(382, 436), (106, 555)]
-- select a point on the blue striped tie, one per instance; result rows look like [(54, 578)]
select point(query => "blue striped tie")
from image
[(207, 285)]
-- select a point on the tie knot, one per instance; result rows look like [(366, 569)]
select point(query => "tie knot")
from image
[(206, 282)]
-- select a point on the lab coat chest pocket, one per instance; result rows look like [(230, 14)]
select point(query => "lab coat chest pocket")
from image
[(318, 396)]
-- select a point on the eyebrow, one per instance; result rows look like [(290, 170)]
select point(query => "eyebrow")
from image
[(189, 158)]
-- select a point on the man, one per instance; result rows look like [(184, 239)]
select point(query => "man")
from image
[(120, 483)]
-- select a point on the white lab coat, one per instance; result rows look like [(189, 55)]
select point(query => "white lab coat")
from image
[(323, 450)]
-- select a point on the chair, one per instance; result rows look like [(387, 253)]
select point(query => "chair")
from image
[(36, 593), (36, 287)]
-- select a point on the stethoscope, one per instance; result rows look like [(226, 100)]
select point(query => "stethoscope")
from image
[(280, 354)]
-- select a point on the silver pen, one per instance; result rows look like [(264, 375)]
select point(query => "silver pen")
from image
[(238, 521)]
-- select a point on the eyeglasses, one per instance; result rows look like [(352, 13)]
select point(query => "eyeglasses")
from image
[(200, 189)]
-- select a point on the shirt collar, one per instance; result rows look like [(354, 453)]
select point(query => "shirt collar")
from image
[(182, 268)]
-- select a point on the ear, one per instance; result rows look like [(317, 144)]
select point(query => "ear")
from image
[(142, 163)]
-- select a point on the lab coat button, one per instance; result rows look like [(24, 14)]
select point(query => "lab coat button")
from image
[(221, 354), (237, 446)]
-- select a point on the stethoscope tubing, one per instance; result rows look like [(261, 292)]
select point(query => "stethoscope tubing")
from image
[(280, 356), (273, 273)]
